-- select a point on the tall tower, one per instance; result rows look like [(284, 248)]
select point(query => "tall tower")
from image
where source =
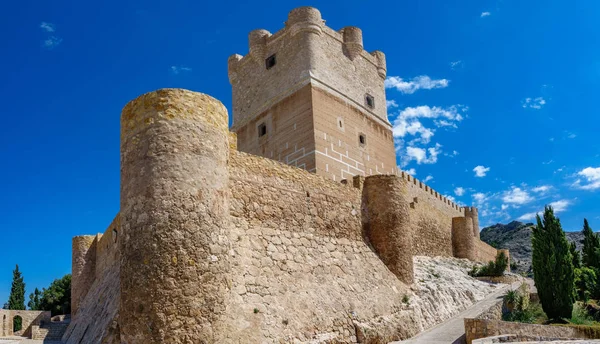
[(312, 97)]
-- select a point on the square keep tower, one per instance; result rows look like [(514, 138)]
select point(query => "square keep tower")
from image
[(312, 97)]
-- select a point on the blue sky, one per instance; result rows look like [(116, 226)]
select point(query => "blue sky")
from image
[(492, 102)]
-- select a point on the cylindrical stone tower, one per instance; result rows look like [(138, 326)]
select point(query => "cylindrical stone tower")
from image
[(474, 215), (353, 41), (463, 241), (83, 270), (388, 223), (174, 218)]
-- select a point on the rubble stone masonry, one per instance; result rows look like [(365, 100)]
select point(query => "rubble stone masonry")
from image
[(296, 230)]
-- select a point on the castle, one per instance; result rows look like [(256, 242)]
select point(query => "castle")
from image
[(295, 228)]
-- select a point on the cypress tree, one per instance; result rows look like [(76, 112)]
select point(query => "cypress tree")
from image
[(575, 255), (16, 300), (591, 245), (553, 271)]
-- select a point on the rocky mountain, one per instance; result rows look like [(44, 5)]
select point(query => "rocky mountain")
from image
[(516, 236)]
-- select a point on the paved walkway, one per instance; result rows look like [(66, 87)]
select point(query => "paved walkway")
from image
[(452, 331)]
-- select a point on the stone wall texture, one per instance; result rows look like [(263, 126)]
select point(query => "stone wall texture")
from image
[(30, 319), (174, 218), (213, 245)]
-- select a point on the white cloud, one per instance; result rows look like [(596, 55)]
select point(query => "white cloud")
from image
[(526, 217), (481, 171), (459, 191), (412, 172), (48, 27), (591, 175), (533, 103), (479, 198), (52, 42), (571, 135), (422, 155), (504, 206), (428, 178), (485, 14), (558, 206), (516, 196), (417, 83), (450, 198), (390, 104), (454, 65), (542, 189), (408, 121), (180, 69)]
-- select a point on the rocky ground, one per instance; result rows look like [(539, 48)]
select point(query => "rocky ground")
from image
[(443, 288), (516, 236)]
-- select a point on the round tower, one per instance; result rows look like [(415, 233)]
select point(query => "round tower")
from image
[(257, 42), (305, 19), (174, 218), (463, 241), (474, 215), (381, 63), (388, 223), (83, 271), (353, 41)]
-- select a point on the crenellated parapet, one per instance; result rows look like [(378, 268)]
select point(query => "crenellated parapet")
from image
[(306, 51)]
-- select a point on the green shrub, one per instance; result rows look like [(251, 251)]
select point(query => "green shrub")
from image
[(492, 268), (580, 316), (586, 283)]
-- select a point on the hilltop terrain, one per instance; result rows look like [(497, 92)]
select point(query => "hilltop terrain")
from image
[(516, 236)]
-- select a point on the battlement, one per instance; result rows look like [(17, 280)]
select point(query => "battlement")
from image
[(306, 51), (427, 191)]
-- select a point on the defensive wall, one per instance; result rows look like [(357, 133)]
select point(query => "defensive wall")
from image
[(218, 246)]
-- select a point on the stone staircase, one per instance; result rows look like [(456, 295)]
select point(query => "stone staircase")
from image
[(49, 331)]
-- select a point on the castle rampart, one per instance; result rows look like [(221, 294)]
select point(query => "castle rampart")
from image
[(174, 215), (216, 245), (388, 226)]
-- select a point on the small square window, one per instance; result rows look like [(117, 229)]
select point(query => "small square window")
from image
[(370, 101), (362, 139), (262, 130), (270, 61)]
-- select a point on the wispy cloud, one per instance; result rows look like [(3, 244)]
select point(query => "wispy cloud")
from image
[(485, 14), (422, 82), (533, 103), (481, 171), (542, 189), (412, 172), (390, 104), (52, 40), (48, 27), (591, 179), (459, 191), (428, 178), (558, 207), (454, 65), (180, 69)]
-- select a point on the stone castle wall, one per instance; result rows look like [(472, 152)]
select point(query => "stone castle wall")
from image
[(216, 245)]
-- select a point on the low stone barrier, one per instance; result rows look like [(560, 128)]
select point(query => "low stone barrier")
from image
[(484, 328)]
